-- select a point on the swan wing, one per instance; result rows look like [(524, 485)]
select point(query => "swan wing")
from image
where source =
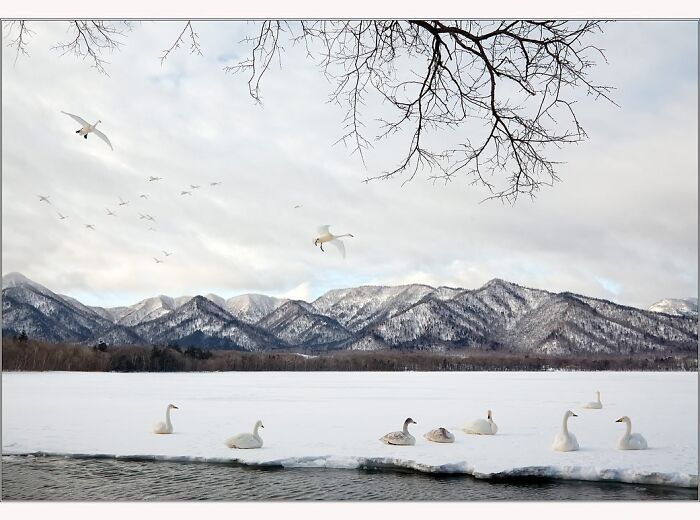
[(77, 118), (103, 137), (339, 244)]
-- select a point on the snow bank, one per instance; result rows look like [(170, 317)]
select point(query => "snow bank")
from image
[(334, 420)]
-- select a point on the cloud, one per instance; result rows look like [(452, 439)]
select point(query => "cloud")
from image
[(625, 212)]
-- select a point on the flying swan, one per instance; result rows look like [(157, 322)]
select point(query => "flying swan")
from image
[(630, 441), (594, 405), (565, 441), (167, 426), (439, 435), (482, 426), (324, 235), (247, 440), (402, 438), (87, 128)]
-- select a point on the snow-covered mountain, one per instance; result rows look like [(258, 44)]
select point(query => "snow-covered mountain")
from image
[(497, 316), (677, 307)]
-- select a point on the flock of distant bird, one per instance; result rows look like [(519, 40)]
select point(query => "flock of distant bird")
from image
[(86, 129), (564, 441), (324, 234)]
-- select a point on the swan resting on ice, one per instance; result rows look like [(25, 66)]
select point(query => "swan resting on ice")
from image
[(402, 438), (324, 235), (87, 128), (439, 435), (594, 405), (482, 426), (630, 441), (167, 426), (565, 441), (247, 440)]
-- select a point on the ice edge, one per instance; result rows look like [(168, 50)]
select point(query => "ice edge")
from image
[(584, 473)]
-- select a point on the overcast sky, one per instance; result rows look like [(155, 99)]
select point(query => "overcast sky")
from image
[(621, 224)]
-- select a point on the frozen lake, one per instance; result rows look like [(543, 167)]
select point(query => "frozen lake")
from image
[(334, 420)]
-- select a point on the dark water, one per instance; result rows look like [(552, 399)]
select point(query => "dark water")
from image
[(63, 479)]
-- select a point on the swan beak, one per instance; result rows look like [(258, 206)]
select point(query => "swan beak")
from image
[(619, 420), (574, 415), (175, 407), (262, 425)]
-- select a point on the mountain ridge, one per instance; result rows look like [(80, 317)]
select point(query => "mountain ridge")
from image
[(499, 315)]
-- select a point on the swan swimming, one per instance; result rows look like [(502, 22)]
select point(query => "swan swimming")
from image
[(565, 441), (87, 128), (439, 435), (247, 440), (482, 426), (326, 236), (402, 438), (167, 426), (594, 405), (630, 441)]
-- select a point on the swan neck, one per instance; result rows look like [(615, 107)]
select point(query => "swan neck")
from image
[(564, 425), (628, 428), (255, 430), (167, 418), (405, 427)]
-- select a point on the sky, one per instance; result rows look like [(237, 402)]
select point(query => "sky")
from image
[(622, 224)]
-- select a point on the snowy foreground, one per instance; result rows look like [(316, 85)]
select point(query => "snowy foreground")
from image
[(335, 419)]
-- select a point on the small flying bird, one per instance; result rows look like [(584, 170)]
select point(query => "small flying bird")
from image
[(157, 261), (142, 216), (151, 178), (166, 253), (215, 183), (123, 202), (111, 213), (44, 198), (326, 236), (195, 186), (298, 206), (90, 226), (144, 196), (61, 216), (150, 218), (87, 128), (185, 193)]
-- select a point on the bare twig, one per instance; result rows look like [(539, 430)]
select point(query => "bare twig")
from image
[(91, 39), (187, 33)]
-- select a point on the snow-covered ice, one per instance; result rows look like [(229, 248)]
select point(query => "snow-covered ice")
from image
[(335, 419)]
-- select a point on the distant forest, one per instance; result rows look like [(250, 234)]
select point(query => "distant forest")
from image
[(22, 353)]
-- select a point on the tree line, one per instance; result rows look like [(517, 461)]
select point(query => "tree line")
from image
[(23, 354)]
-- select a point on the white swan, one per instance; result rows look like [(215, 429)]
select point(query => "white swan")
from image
[(594, 405), (247, 440), (157, 260), (61, 216), (439, 435), (111, 213), (324, 235), (402, 438), (630, 441), (565, 441), (167, 426), (151, 178), (482, 426), (87, 128), (90, 226), (44, 198)]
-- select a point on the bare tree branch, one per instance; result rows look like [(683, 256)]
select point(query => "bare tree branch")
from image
[(520, 78), (91, 39), (21, 39), (187, 33)]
